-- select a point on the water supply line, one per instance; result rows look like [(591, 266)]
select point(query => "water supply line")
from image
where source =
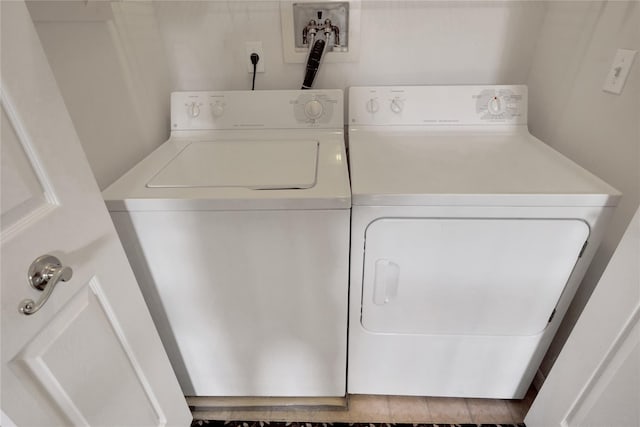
[(313, 63), (317, 46)]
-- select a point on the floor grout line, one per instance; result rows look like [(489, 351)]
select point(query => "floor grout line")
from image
[(466, 405)]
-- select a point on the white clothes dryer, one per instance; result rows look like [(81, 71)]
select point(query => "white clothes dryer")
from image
[(237, 229), (469, 238)]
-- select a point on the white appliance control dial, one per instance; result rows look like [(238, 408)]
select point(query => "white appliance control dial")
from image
[(217, 109), (501, 104), (193, 110), (372, 105), (397, 105), (313, 109), (496, 105)]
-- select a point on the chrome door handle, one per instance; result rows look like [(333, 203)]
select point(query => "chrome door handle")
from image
[(44, 274)]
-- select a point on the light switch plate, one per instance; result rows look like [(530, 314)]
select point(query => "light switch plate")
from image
[(251, 47), (617, 76)]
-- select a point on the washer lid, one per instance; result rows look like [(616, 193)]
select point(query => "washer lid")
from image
[(257, 165)]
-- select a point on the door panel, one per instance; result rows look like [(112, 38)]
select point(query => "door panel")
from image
[(615, 385), (27, 195), (87, 329), (466, 276), (595, 380), (90, 355)]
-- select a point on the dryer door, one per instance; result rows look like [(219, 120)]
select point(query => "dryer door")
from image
[(466, 276)]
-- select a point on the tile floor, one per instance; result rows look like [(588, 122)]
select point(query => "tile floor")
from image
[(393, 409)]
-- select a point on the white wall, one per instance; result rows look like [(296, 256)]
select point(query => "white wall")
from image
[(116, 73), (598, 130), (109, 62), (403, 42)]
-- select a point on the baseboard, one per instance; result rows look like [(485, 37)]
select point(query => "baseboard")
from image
[(538, 380), (205, 403)]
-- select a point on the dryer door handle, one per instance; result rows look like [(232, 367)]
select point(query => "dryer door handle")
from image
[(385, 282)]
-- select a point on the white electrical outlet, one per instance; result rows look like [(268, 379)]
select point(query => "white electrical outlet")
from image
[(617, 76), (254, 47)]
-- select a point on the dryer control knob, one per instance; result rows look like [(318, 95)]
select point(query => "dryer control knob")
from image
[(397, 105), (496, 105), (372, 105), (217, 109), (313, 109), (193, 110)]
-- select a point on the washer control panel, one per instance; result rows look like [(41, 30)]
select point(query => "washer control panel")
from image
[(438, 105), (273, 109)]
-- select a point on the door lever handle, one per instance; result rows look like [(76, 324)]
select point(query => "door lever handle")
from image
[(44, 274)]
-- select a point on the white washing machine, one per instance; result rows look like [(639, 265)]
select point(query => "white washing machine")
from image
[(469, 238), (237, 229)]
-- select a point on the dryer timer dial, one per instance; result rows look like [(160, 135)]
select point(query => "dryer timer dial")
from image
[(496, 105)]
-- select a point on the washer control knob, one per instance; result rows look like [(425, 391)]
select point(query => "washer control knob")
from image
[(313, 109), (397, 105), (217, 109), (193, 110), (496, 105), (372, 105)]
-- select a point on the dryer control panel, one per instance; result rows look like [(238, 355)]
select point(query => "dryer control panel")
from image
[(438, 105), (272, 109)]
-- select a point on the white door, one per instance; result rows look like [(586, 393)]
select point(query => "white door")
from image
[(596, 378), (90, 355)]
